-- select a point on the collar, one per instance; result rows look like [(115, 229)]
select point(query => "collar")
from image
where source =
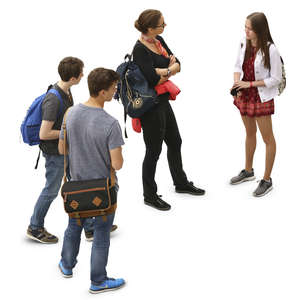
[(149, 40)]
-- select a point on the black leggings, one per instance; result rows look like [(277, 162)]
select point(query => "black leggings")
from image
[(159, 124)]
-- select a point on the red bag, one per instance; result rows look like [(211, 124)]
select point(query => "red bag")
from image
[(136, 125), (168, 87)]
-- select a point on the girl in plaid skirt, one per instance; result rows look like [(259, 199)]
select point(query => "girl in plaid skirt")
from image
[(259, 66)]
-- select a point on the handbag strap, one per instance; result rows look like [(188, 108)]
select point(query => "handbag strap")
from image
[(112, 171)]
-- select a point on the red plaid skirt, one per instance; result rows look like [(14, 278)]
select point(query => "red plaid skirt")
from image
[(249, 102)]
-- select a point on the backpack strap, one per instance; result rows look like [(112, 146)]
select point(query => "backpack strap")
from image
[(125, 119), (281, 60), (58, 95), (128, 57), (37, 160)]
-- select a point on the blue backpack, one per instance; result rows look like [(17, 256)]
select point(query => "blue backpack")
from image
[(30, 128)]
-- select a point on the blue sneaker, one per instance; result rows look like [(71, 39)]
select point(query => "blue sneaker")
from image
[(107, 285), (65, 272)]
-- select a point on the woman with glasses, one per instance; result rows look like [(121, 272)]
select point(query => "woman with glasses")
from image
[(258, 73), (158, 64)]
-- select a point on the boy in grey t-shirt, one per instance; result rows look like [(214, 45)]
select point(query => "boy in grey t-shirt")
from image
[(91, 134), (94, 141)]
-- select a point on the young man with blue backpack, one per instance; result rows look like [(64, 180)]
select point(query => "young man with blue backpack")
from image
[(53, 106)]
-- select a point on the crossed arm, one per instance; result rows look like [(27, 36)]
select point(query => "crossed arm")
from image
[(174, 68)]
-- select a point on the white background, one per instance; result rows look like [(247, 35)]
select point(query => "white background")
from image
[(225, 245)]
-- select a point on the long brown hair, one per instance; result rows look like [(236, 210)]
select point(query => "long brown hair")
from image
[(260, 26)]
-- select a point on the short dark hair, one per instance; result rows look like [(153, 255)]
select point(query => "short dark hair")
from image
[(101, 79), (149, 18), (70, 67)]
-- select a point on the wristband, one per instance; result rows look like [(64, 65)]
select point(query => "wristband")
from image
[(168, 73), (251, 84)]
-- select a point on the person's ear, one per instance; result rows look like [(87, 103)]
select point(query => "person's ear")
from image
[(73, 79), (102, 93), (150, 30)]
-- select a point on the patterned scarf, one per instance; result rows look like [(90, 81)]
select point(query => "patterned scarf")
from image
[(157, 43)]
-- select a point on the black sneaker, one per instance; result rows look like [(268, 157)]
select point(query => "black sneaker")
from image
[(89, 235), (242, 177), (157, 203), (263, 188), (41, 235), (189, 188), (113, 227)]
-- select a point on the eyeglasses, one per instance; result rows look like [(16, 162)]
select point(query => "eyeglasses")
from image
[(162, 25)]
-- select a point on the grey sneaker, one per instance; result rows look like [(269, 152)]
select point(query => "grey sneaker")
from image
[(263, 188), (41, 235), (242, 177)]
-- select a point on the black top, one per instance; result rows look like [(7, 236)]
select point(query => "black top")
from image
[(51, 112), (148, 60)]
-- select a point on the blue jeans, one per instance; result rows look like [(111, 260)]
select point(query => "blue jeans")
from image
[(101, 242), (54, 173)]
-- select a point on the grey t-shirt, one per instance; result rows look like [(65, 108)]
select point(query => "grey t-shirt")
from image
[(91, 134), (52, 111)]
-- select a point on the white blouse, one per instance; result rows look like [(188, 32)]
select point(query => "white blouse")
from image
[(271, 77)]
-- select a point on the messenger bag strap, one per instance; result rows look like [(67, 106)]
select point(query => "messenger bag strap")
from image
[(112, 176), (65, 145)]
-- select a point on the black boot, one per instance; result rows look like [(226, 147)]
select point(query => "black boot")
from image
[(157, 203), (189, 188)]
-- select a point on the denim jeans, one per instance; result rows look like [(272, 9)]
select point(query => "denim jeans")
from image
[(100, 248), (54, 173)]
